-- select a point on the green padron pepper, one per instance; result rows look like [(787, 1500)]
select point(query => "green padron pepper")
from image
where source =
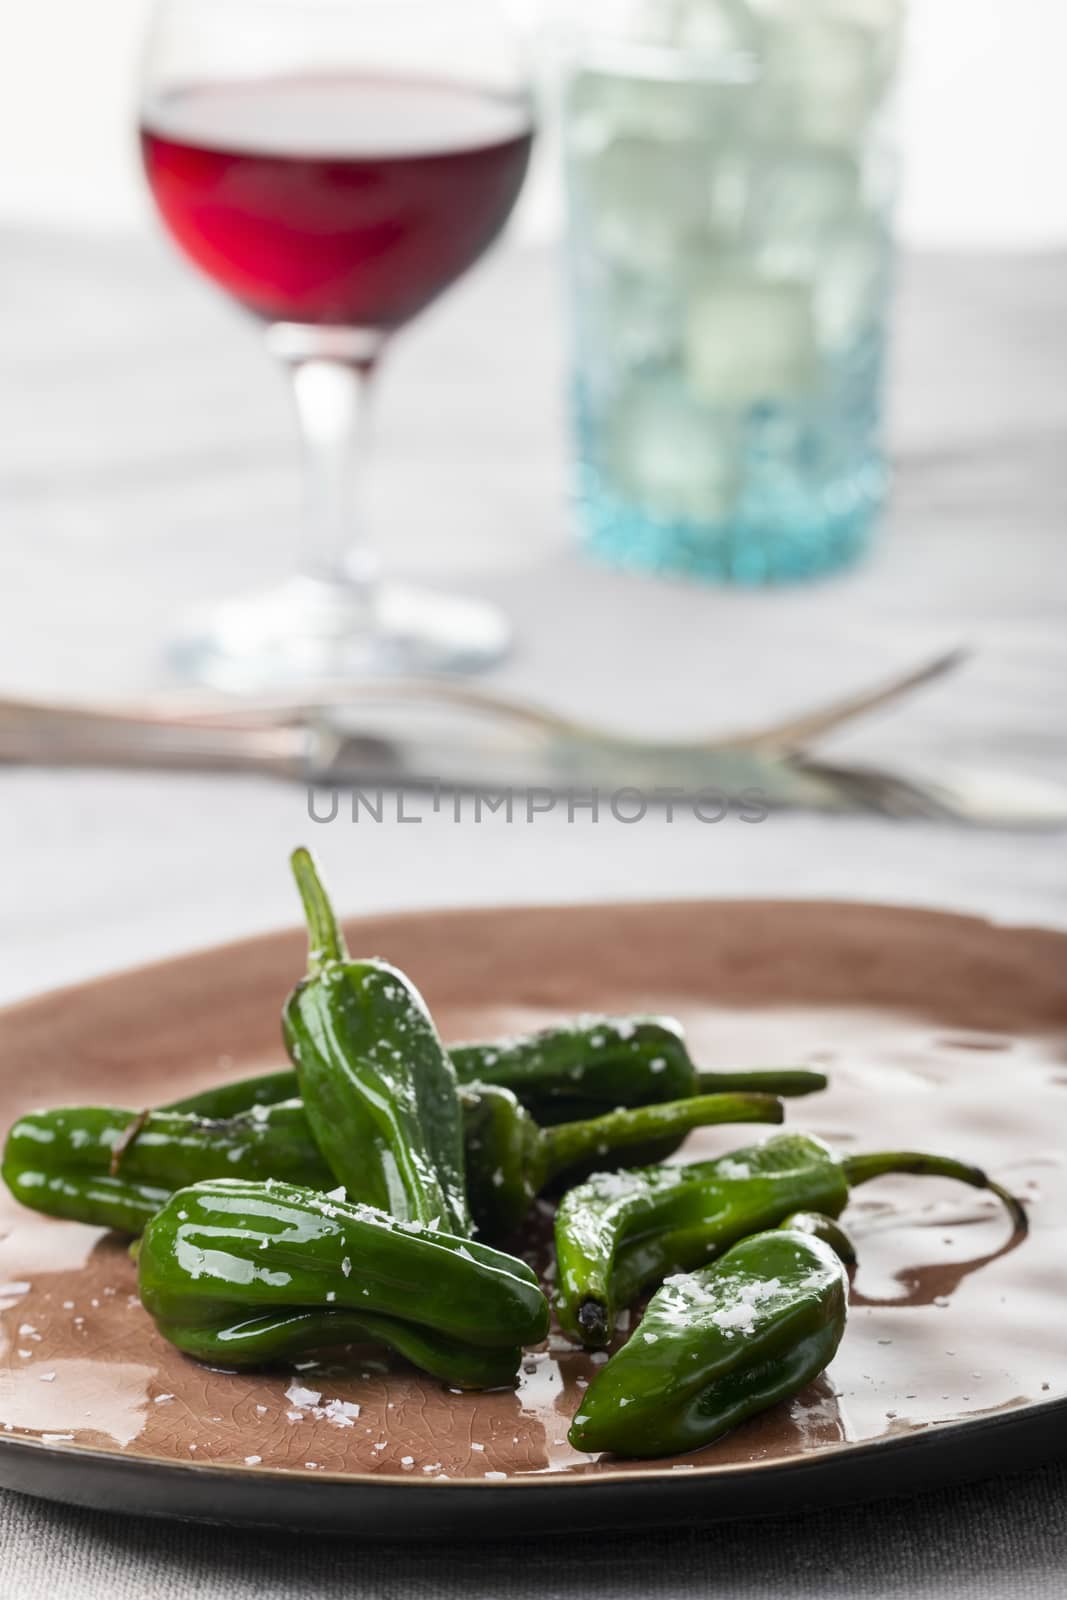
[(379, 1090), (569, 1072), (510, 1159), (620, 1232), (717, 1346), (573, 1071), (114, 1168), (244, 1274), (827, 1229)]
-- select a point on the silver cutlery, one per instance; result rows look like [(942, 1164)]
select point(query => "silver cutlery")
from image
[(452, 735)]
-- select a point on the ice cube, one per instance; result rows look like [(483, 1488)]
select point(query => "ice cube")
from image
[(674, 458), (851, 284), (797, 196), (824, 80), (882, 17), (640, 199), (749, 340), (601, 106), (719, 27)]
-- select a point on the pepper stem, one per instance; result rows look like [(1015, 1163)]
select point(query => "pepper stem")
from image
[(326, 942), (571, 1143), (787, 1081), (861, 1169)]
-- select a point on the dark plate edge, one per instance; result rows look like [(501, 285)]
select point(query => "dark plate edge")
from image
[(368, 1507)]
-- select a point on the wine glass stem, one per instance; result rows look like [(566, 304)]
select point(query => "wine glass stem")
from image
[(333, 409)]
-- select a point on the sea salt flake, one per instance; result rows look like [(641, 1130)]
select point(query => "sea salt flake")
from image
[(301, 1396), (253, 1461), (729, 1168), (48, 1377)]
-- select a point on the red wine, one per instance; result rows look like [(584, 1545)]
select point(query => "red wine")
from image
[(341, 200)]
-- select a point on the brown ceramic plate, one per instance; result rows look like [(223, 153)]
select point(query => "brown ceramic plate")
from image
[(938, 1032)]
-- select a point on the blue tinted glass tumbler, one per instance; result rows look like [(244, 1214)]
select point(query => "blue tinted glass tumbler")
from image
[(730, 188)]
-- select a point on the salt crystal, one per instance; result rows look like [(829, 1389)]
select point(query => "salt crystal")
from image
[(253, 1461), (47, 1377), (496, 1477), (301, 1396)]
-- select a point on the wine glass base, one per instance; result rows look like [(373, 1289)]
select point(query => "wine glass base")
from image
[(308, 631)]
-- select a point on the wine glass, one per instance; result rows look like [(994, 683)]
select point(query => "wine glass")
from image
[(334, 165)]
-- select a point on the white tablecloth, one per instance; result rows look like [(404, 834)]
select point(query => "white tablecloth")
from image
[(147, 461)]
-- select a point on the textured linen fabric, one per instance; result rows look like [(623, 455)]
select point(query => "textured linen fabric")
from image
[(1005, 1537)]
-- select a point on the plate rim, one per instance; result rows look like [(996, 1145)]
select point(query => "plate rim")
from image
[(246, 943)]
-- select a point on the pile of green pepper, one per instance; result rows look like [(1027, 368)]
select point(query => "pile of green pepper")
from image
[(348, 1198)]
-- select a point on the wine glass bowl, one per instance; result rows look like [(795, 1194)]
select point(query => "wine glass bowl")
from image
[(333, 166)]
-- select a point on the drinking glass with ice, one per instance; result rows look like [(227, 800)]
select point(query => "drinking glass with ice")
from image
[(730, 187)]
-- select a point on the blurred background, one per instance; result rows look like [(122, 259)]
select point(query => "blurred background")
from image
[(150, 468), (982, 128)]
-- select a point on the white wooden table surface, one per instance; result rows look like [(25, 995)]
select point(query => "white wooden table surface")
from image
[(147, 462)]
